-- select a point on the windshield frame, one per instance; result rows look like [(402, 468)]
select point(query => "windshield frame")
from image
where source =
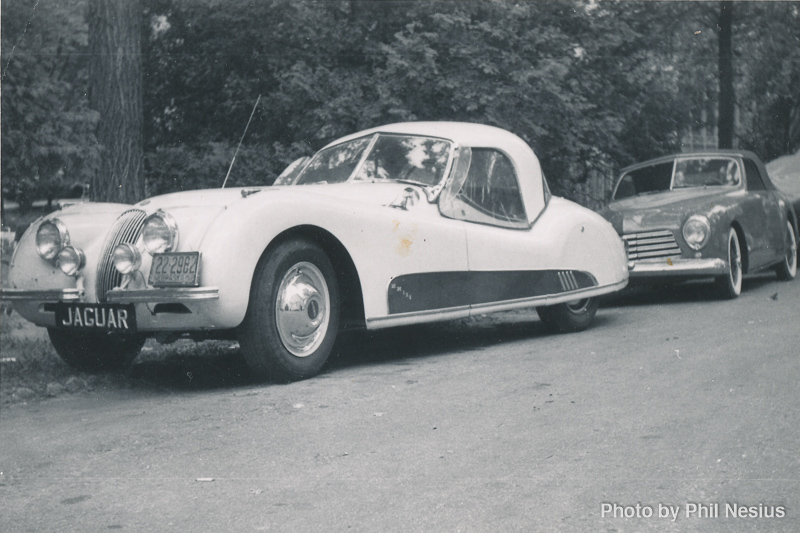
[(431, 190), (706, 157), (675, 161)]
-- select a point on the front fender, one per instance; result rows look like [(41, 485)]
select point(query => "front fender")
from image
[(28, 270)]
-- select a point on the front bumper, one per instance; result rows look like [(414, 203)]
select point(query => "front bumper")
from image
[(43, 296), (169, 309), (153, 296), (678, 268)]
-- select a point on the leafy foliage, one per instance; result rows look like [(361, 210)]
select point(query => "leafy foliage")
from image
[(591, 86), (47, 128)]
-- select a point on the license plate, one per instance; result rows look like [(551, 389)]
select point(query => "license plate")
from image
[(175, 269), (96, 317)]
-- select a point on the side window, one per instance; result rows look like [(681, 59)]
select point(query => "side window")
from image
[(653, 178), (753, 176), (490, 193)]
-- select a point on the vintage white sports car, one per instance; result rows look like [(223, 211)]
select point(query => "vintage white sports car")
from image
[(400, 224)]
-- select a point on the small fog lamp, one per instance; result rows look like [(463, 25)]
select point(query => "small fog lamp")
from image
[(126, 258), (71, 260)]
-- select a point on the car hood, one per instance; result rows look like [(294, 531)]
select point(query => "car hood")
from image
[(359, 193), (665, 210)]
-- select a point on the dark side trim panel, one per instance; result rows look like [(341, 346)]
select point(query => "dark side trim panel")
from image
[(441, 290)]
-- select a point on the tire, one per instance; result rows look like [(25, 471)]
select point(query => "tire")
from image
[(293, 316), (95, 351), (729, 286), (787, 269), (569, 317)]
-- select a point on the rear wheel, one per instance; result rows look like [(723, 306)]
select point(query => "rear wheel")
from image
[(730, 285), (571, 316), (787, 270), (95, 351), (293, 315)]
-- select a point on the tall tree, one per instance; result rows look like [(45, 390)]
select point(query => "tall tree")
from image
[(727, 102), (115, 91)]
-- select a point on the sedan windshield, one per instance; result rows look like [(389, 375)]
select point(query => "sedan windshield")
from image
[(706, 172), (682, 173), (383, 157)]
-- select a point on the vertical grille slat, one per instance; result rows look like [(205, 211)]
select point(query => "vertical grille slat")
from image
[(651, 244), (126, 229)]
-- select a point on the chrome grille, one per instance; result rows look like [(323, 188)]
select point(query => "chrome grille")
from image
[(651, 244), (126, 229)]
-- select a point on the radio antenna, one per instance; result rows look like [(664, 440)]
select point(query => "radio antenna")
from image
[(253, 112)]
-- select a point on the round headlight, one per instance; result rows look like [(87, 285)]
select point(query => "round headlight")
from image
[(71, 260), (160, 233), (126, 258), (696, 231), (51, 237)]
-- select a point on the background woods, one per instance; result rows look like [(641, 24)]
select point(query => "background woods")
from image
[(591, 86)]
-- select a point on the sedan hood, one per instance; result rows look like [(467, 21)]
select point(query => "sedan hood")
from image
[(665, 210)]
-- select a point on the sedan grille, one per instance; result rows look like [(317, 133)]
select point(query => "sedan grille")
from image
[(651, 244), (126, 229)]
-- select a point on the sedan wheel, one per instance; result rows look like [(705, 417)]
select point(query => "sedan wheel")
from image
[(293, 316), (787, 270), (730, 285), (569, 317)]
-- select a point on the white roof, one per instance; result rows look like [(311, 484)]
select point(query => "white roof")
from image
[(479, 136)]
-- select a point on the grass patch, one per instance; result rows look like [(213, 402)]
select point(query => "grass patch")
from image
[(28, 362)]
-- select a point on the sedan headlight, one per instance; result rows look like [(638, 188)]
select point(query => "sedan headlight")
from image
[(71, 260), (696, 231), (160, 233), (51, 237), (126, 258)]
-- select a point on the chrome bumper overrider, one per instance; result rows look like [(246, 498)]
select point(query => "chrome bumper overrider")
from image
[(678, 267), (166, 295)]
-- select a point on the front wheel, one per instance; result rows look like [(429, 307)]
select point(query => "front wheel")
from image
[(730, 285), (95, 351), (571, 316), (293, 315), (787, 269)]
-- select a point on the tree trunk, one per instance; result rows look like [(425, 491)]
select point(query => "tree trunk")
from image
[(725, 119), (115, 91)]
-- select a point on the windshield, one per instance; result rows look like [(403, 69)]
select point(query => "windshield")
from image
[(679, 174), (705, 172), (405, 158)]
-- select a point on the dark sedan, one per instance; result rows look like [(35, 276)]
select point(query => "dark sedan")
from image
[(702, 215)]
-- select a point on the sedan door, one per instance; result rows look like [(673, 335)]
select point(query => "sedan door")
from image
[(763, 224)]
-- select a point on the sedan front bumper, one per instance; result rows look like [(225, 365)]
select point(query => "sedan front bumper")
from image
[(678, 268)]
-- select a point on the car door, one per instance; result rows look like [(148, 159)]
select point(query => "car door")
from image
[(763, 219), (507, 260)]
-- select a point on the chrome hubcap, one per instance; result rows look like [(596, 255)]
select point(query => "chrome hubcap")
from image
[(301, 309), (578, 306)]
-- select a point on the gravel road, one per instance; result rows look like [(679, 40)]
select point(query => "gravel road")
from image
[(672, 399)]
